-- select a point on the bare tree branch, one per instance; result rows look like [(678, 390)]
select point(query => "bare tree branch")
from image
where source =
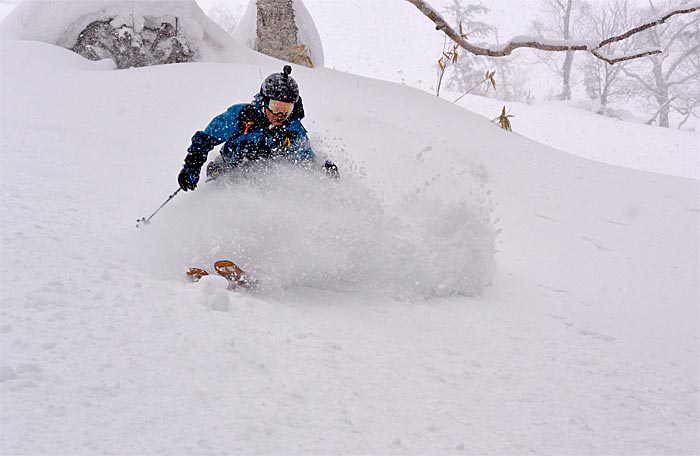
[(682, 29), (611, 61), (552, 46), (650, 24), (682, 81), (641, 81), (681, 58), (656, 114)]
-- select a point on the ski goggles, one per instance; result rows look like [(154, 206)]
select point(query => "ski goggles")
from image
[(280, 108)]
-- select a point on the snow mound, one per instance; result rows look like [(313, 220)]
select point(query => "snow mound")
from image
[(61, 22), (294, 228)]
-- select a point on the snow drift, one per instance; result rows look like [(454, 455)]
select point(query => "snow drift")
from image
[(60, 22)]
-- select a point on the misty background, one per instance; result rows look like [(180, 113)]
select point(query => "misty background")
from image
[(360, 37)]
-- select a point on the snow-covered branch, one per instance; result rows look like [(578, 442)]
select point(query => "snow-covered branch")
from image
[(552, 45), (660, 19)]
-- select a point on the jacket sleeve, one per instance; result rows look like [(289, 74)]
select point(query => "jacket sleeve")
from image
[(221, 128), (197, 153)]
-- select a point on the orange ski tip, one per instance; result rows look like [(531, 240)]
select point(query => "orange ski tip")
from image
[(228, 269), (196, 273)]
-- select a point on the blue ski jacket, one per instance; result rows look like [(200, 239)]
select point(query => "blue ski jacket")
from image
[(248, 135)]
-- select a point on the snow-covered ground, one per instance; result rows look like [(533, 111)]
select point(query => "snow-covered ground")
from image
[(374, 331), (567, 127)]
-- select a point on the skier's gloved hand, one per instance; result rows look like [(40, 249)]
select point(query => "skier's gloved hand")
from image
[(331, 169), (188, 178)]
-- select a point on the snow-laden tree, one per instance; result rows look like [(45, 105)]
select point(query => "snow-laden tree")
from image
[(607, 83), (283, 29), (134, 44), (671, 79), (130, 33)]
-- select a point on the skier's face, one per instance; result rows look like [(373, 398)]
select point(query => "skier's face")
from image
[(277, 112)]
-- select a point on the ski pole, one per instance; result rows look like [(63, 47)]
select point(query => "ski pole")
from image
[(145, 221)]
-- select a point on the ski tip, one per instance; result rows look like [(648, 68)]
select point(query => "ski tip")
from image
[(236, 276), (195, 274), (228, 269)]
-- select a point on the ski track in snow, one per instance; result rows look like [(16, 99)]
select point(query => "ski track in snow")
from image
[(587, 342)]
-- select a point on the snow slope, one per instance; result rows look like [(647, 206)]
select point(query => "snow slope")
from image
[(586, 342), (569, 127)]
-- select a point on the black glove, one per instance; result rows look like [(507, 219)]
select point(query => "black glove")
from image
[(331, 169), (188, 178)]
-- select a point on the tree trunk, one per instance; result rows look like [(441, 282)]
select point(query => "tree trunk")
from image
[(664, 114), (566, 76), (277, 30), (661, 94), (604, 99), (569, 58)]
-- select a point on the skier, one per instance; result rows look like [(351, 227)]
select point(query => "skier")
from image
[(268, 128)]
